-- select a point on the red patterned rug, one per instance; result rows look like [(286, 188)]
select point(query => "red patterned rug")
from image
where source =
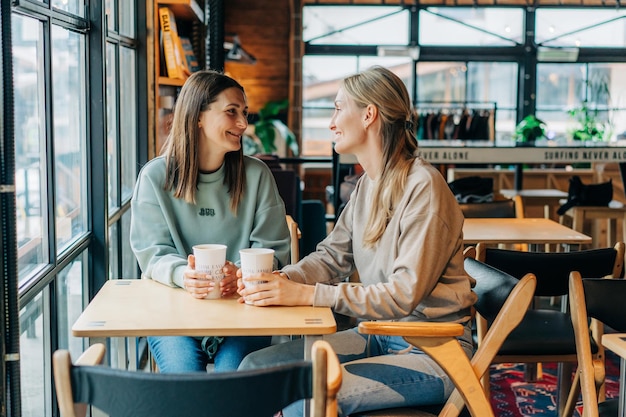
[(512, 396)]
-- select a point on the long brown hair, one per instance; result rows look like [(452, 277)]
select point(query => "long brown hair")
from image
[(181, 147), (385, 90)]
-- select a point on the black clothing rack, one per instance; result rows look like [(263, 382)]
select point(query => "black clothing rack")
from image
[(462, 120)]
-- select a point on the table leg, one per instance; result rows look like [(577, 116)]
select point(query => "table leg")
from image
[(622, 387)]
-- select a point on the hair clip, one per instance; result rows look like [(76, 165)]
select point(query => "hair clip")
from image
[(408, 125)]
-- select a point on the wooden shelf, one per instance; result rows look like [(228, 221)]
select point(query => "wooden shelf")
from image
[(176, 82), (185, 9)]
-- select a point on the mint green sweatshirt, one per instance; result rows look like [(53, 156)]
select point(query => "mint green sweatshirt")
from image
[(164, 229), (415, 272)]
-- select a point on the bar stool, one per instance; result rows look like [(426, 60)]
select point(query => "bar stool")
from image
[(613, 214)]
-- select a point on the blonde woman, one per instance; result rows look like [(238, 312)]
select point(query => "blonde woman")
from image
[(402, 231), (204, 190)]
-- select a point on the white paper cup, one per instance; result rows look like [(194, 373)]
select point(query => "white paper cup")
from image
[(254, 261), (210, 259)]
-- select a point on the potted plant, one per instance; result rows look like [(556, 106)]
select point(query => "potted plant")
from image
[(591, 126), (529, 130), (270, 127)]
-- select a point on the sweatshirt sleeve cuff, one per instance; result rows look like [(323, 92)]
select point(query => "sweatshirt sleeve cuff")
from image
[(325, 295), (178, 276)]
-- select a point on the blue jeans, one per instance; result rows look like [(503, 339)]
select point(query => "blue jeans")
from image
[(176, 354), (382, 372)]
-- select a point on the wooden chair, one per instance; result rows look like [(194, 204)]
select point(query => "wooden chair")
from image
[(503, 300), (260, 392), (546, 334), (594, 302), (294, 234)]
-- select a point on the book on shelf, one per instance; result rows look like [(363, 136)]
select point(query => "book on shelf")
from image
[(190, 56), (175, 60)]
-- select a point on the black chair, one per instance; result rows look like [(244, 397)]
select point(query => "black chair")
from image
[(546, 334), (594, 303), (509, 208), (313, 226), (503, 300), (260, 392)]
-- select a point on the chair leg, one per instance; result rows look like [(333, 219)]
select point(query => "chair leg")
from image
[(572, 397), (564, 383)]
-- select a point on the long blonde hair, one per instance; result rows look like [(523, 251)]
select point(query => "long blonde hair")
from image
[(181, 147), (385, 90)]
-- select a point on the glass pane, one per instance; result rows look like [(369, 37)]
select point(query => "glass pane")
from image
[(493, 82), (69, 285), (30, 158), (355, 25), (33, 359), (130, 268), (570, 95), (76, 7), (577, 27), (465, 26), (114, 251), (68, 64), (321, 78), (128, 121), (111, 13), (127, 17), (441, 81), (112, 111)]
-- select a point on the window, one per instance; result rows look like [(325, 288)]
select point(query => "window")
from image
[(30, 151), (561, 27), (77, 126), (565, 92), (456, 26)]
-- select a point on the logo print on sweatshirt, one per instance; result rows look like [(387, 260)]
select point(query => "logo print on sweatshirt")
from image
[(207, 211)]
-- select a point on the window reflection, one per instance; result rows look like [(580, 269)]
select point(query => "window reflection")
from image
[(71, 6), (32, 358), (128, 122), (30, 167), (69, 295), (112, 127), (68, 62), (114, 251), (130, 269)]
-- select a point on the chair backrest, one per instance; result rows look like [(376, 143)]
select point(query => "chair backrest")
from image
[(552, 268), (601, 300), (605, 301), (260, 392), (288, 183), (295, 239), (492, 287), (509, 208)]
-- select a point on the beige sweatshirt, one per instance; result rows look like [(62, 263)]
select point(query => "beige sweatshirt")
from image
[(415, 272)]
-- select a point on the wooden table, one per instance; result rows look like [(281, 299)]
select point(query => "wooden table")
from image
[(534, 231), (617, 343), (143, 307), (549, 199)]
